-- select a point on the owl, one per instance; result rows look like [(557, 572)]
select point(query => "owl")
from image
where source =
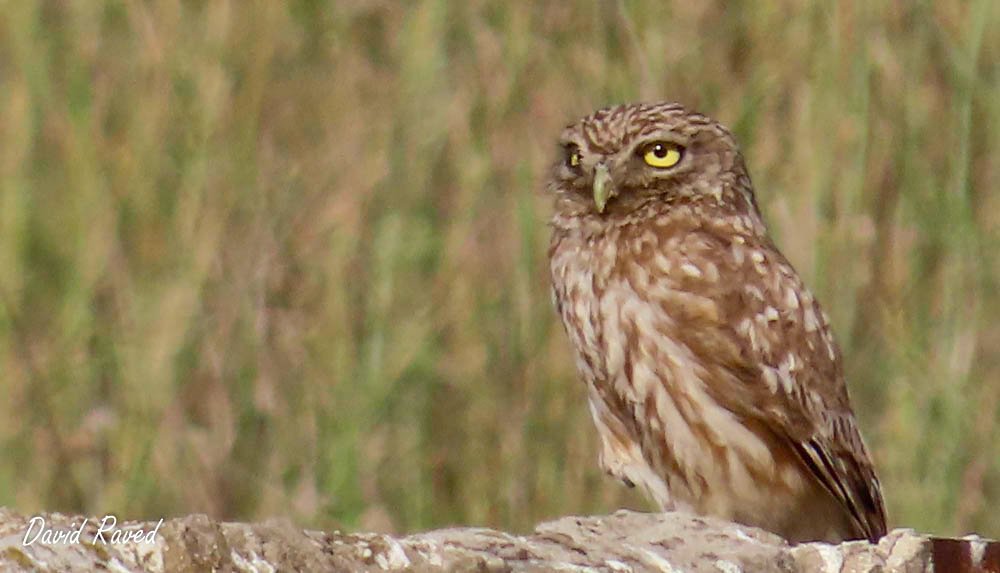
[(711, 371)]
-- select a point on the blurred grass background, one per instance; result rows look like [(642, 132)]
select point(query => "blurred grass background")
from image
[(288, 258)]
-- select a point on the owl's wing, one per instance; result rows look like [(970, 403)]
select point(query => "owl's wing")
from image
[(775, 362)]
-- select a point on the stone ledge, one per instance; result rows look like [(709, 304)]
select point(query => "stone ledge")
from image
[(621, 542)]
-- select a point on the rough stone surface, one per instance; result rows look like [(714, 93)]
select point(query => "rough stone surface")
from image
[(621, 542)]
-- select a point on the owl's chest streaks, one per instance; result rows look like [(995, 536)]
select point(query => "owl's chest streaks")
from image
[(631, 303), (615, 289), (622, 300)]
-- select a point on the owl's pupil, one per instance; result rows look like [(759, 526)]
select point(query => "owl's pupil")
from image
[(660, 150)]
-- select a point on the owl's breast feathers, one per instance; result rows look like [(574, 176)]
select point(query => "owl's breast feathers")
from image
[(718, 384)]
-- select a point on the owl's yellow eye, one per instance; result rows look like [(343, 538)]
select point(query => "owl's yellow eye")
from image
[(662, 154), (573, 158)]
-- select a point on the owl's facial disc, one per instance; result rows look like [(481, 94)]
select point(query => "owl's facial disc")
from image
[(604, 187)]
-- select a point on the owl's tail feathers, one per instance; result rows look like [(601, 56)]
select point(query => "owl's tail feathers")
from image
[(852, 482)]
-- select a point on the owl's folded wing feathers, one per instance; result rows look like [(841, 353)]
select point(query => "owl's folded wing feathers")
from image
[(777, 364)]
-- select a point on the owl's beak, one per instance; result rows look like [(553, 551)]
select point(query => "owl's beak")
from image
[(604, 187)]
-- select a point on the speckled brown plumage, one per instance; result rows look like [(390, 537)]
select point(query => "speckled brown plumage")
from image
[(712, 374)]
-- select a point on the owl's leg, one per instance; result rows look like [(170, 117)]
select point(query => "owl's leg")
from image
[(613, 464), (620, 457)]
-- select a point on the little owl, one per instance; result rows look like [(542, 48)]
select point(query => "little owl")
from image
[(712, 375)]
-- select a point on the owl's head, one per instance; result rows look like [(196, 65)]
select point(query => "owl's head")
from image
[(621, 158)]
